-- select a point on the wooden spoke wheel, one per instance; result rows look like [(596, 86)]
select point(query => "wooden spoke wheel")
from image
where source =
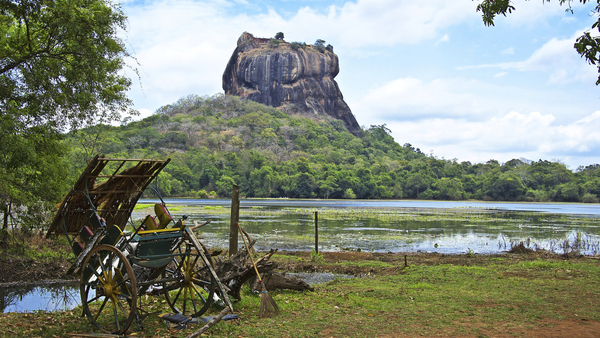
[(108, 289), (189, 287)]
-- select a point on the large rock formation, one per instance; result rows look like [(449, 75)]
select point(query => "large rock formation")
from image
[(277, 73)]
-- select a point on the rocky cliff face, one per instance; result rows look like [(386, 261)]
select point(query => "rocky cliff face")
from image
[(275, 74)]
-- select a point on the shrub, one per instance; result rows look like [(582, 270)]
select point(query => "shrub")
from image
[(202, 193), (316, 257), (349, 194), (273, 43), (589, 198)]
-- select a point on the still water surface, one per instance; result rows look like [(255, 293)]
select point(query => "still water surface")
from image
[(30, 298), (433, 226)]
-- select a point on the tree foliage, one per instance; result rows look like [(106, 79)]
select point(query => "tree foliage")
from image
[(587, 45), (60, 69)]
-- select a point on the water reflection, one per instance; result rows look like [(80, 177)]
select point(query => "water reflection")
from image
[(29, 298), (478, 227)]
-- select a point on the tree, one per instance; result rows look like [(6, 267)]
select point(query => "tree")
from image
[(450, 189), (349, 194), (60, 68), (303, 187), (587, 46), (61, 62), (504, 187), (328, 186), (224, 186), (568, 192), (279, 36), (320, 44)]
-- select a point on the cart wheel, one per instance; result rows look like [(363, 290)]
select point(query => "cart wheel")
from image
[(108, 290), (190, 287)]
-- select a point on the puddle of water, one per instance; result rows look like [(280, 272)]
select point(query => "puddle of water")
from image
[(31, 298), (313, 278)]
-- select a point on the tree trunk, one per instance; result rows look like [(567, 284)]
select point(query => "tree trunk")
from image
[(7, 208)]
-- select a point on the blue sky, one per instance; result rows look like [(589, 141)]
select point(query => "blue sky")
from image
[(430, 70)]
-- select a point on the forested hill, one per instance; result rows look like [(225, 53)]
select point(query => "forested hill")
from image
[(217, 141)]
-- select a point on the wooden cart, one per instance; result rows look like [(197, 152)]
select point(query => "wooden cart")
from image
[(118, 261)]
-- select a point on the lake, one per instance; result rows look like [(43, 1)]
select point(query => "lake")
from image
[(396, 226)]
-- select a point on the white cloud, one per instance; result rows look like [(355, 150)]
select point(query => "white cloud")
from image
[(407, 99), (515, 135), (557, 58), (509, 51), (444, 38), (383, 22), (144, 113), (531, 13), (410, 98)]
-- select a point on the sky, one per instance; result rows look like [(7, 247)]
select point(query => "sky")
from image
[(429, 70)]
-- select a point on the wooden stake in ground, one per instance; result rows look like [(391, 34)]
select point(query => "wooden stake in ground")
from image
[(268, 307), (235, 218)]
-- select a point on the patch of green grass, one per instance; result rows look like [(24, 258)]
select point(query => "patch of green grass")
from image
[(316, 257), (217, 208), (140, 206), (366, 264), (42, 250), (501, 297), (544, 265)]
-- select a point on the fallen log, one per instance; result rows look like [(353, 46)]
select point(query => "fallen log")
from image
[(275, 280), (235, 271)]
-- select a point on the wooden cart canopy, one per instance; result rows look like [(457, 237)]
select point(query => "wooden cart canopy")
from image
[(113, 186)]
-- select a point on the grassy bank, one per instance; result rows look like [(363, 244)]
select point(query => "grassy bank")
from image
[(435, 295)]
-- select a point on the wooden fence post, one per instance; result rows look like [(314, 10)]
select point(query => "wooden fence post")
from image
[(235, 218), (316, 231)]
